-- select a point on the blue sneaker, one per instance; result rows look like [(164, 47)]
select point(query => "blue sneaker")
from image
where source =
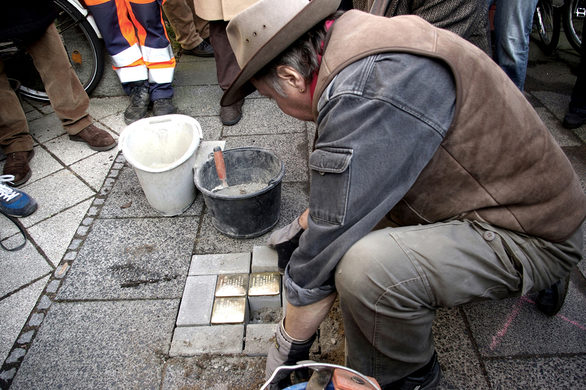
[(13, 202)]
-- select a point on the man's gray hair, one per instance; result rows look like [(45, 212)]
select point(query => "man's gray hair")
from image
[(302, 55)]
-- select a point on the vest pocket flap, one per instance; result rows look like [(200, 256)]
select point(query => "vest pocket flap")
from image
[(330, 160)]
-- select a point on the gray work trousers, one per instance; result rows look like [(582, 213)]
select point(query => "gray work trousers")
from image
[(391, 282)]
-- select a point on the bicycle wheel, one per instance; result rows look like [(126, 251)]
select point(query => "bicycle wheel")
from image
[(547, 23), (84, 49), (574, 12)]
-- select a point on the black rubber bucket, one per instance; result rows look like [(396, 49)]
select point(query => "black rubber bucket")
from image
[(238, 213)]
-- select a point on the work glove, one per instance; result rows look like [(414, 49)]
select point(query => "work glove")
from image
[(285, 351), (285, 241)]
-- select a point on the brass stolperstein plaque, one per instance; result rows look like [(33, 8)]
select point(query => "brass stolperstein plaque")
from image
[(232, 285), (229, 310), (264, 283)]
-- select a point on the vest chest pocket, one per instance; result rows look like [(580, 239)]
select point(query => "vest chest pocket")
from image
[(330, 183)]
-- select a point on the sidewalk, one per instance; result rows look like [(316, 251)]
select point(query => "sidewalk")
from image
[(95, 298)]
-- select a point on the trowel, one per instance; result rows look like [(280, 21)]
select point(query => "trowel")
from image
[(220, 169)]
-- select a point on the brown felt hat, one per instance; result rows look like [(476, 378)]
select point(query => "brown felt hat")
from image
[(264, 30)]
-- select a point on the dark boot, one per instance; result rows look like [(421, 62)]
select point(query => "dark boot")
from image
[(426, 378), (230, 115), (16, 164), (96, 138), (163, 107), (139, 103), (550, 300), (204, 49)]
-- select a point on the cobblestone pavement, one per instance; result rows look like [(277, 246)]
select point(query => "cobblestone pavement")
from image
[(107, 293)]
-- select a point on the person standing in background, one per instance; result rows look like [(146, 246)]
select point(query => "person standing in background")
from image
[(136, 38), (513, 20), (29, 24), (576, 115), (191, 31), (218, 13), (467, 18)]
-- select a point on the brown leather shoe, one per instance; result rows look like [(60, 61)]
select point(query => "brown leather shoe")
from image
[(230, 115), (16, 164), (97, 139)]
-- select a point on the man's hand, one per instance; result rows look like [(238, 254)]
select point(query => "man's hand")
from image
[(285, 351), (286, 239)]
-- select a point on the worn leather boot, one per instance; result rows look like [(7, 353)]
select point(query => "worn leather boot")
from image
[(163, 107), (230, 115), (139, 103), (16, 164), (96, 138)]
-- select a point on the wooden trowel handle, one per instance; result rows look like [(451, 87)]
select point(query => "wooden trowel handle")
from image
[(220, 166)]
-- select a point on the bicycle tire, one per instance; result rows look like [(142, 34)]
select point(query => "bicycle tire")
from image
[(84, 48), (574, 12), (548, 24)]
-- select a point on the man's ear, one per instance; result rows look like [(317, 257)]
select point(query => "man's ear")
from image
[(290, 76)]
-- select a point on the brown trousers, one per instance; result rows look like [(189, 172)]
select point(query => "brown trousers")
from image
[(67, 96), (226, 65), (190, 30)]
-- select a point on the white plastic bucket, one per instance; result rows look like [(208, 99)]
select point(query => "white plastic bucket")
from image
[(161, 150)]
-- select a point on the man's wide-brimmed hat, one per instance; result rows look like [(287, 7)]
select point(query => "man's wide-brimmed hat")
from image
[(264, 30)]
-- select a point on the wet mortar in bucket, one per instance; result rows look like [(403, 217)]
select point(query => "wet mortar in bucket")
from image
[(250, 204)]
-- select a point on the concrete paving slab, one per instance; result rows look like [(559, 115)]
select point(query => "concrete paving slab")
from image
[(556, 102), (516, 327), (194, 340), (211, 127), (219, 264), (258, 338), (115, 122), (55, 193), (581, 133), (42, 164), (564, 137), (563, 372), (14, 311), (99, 345), (264, 259), (195, 72), (461, 368), (69, 152), (127, 199), (31, 112), (262, 117), (198, 101), (107, 106), (290, 148), (46, 128), (21, 267), (197, 301), (95, 168), (132, 259), (55, 233)]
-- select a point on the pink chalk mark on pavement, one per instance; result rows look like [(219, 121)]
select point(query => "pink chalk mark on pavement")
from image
[(496, 339)]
